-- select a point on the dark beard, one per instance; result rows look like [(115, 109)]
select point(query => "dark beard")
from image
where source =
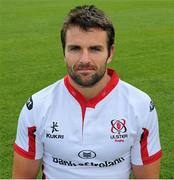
[(94, 79), (88, 83)]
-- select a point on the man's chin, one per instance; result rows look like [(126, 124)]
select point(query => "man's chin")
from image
[(86, 78)]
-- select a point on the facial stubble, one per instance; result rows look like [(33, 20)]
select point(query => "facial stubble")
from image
[(89, 81)]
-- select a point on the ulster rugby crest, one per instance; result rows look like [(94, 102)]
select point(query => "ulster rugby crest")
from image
[(118, 130)]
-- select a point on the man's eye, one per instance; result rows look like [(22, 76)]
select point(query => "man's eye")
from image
[(74, 48), (95, 49)]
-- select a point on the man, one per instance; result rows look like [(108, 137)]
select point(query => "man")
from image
[(90, 124)]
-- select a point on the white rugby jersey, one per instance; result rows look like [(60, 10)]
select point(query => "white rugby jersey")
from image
[(99, 138)]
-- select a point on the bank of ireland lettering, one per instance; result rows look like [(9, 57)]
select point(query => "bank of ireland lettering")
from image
[(91, 163), (118, 130)]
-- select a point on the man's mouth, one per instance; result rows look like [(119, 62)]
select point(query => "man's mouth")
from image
[(84, 69)]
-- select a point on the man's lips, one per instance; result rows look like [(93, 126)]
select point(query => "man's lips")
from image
[(85, 70)]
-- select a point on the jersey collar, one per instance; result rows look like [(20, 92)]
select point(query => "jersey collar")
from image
[(92, 102)]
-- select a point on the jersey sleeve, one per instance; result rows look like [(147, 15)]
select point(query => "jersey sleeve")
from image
[(28, 141), (147, 148)]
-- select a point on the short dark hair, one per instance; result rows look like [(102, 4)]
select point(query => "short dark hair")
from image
[(86, 17)]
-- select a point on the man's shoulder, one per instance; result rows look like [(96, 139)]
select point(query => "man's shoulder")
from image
[(45, 96), (133, 94), (139, 101), (49, 90)]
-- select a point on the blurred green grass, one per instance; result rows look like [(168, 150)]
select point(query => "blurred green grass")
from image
[(31, 58)]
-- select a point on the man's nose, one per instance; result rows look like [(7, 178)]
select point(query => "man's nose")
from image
[(85, 57)]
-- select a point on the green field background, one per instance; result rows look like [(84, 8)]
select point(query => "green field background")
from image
[(31, 58)]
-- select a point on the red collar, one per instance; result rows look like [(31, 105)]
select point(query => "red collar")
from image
[(92, 102)]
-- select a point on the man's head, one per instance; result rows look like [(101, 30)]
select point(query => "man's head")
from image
[(88, 43), (86, 17)]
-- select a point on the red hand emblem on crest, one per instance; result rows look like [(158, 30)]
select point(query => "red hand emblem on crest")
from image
[(118, 126)]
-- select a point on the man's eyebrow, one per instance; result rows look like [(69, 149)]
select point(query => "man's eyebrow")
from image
[(73, 46), (97, 46), (78, 46)]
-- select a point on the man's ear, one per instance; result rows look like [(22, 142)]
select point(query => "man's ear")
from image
[(111, 54), (65, 59)]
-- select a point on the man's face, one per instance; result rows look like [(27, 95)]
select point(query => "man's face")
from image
[(86, 55)]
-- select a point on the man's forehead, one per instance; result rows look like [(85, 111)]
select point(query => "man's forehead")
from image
[(93, 35), (83, 29)]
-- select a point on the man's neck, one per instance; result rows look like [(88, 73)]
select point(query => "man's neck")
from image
[(93, 91)]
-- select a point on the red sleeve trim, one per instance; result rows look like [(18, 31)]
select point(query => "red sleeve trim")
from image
[(143, 142), (152, 158), (32, 139), (23, 153)]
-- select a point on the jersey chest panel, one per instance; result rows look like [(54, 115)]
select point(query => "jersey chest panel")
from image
[(105, 137)]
